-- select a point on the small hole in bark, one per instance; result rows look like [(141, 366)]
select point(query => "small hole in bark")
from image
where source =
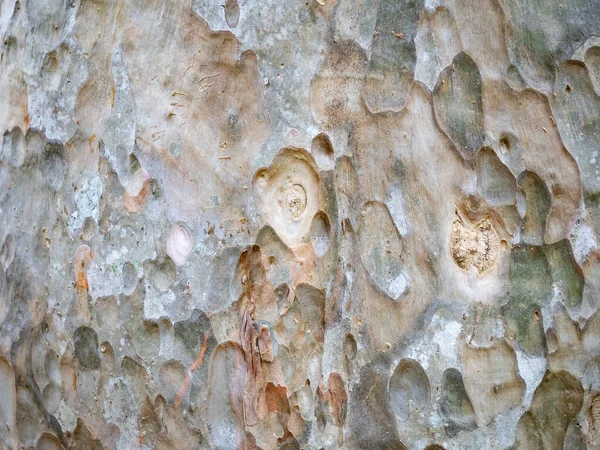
[(505, 144)]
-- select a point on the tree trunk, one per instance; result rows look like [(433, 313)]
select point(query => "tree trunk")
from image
[(299, 225)]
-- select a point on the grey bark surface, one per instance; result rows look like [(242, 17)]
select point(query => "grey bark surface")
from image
[(323, 224)]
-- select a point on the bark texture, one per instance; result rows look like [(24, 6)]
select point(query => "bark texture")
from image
[(323, 224)]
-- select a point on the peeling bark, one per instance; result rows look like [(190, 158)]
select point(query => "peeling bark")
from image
[(357, 224)]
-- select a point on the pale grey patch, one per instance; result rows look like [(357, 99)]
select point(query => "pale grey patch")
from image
[(87, 200)]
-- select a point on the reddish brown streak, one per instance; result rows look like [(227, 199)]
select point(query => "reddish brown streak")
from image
[(188, 377)]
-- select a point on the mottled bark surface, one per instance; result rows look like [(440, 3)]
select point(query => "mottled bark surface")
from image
[(359, 224)]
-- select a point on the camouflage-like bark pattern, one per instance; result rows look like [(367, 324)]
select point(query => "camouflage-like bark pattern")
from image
[(323, 224)]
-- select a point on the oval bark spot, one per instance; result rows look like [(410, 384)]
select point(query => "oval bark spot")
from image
[(409, 388), (322, 151), (180, 243), (225, 397), (232, 13), (380, 248), (320, 230)]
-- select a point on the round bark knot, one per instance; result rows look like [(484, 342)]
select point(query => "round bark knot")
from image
[(474, 246), (290, 190), (180, 243), (292, 201)]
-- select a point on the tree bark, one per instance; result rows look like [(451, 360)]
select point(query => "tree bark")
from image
[(299, 225)]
